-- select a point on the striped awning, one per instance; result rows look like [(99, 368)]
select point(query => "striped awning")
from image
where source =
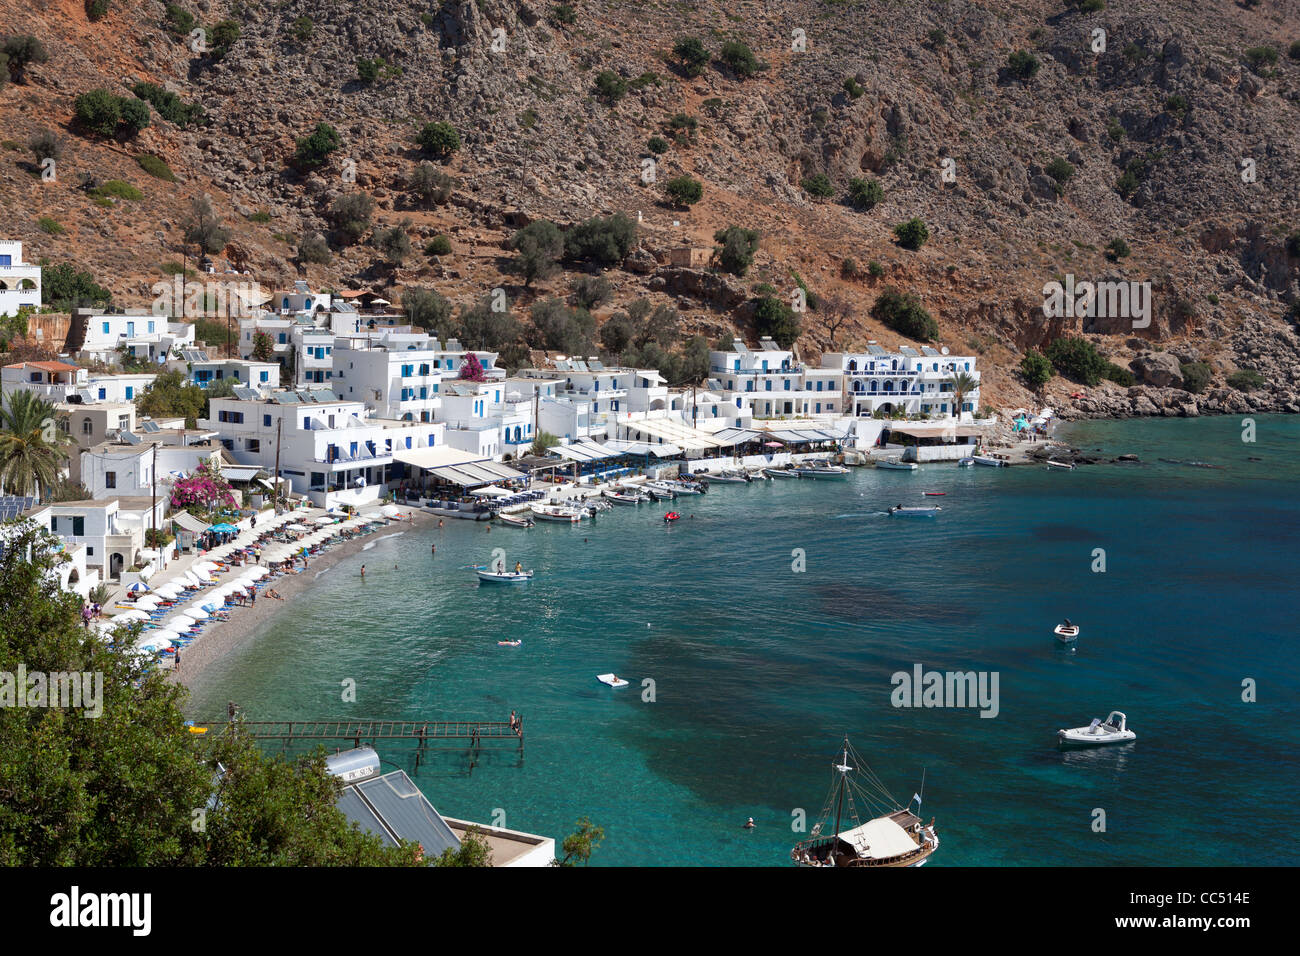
[(476, 474)]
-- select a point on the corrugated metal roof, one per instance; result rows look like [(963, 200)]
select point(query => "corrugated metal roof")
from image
[(393, 808)]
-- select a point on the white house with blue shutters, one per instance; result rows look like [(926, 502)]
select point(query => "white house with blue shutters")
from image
[(147, 337), (917, 381), (20, 282)]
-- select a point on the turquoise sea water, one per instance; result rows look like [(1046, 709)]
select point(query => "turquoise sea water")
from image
[(759, 671)]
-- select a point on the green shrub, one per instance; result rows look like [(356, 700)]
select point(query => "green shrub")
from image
[(135, 115), (1294, 50), (735, 254), (911, 234), (169, 106), (657, 145), (904, 314), (605, 242), (865, 193), (592, 291), (539, 245), (394, 242), (96, 10), (1245, 380), (439, 139), (302, 29), (563, 13), (774, 318), (223, 37), (314, 249), (261, 216), (1260, 56), (177, 20), (1115, 130), (1092, 6), (1120, 376), (740, 58), (684, 191), (431, 184), (1035, 369), (155, 167), (1077, 359), (20, 51), (1196, 376), (50, 226), (610, 86), (849, 268), (1061, 171), (691, 55), (853, 88), (98, 111), (1023, 65), (438, 246), (351, 215), (819, 186), (117, 189), (45, 144), (1117, 249), (313, 150), (875, 269), (1177, 104), (937, 38)]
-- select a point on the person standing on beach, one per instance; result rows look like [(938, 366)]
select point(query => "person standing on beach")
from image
[(363, 572)]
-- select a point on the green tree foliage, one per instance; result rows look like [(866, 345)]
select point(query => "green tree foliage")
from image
[(473, 851), (691, 55), (33, 449), (1023, 65), (1036, 369), (579, 846), (45, 144), (740, 59), (394, 242), (172, 396), (98, 111), (484, 328), (263, 347), (543, 443), (135, 116), (819, 186), (601, 241), (203, 227), (610, 86), (1061, 171), (21, 51), (1196, 376), (735, 252), (428, 309), (177, 20), (865, 193), (904, 313), (911, 234), (563, 329), (313, 150), (1077, 359), (1245, 380), (438, 246), (169, 106), (1117, 249), (684, 191), (302, 28), (430, 184), (312, 248), (65, 288), (439, 139), (351, 214), (222, 37), (774, 318), (539, 246), (589, 292), (657, 145)]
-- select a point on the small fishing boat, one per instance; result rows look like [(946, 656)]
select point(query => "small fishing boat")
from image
[(659, 492), (934, 494), (556, 513), (966, 462), (988, 461), (503, 577), (515, 643), (820, 469), (897, 464), (671, 516), (1112, 730), (688, 487), (729, 478), (1066, 633), (620, 497), (926, 511), (759, 474), (1060, 465), (782, 473), (514, 521), (613, 680), (896, 837)]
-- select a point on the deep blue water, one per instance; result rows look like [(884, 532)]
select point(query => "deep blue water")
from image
[(759, 670)]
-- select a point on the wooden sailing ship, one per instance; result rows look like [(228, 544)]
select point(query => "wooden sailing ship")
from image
[(896, 837)]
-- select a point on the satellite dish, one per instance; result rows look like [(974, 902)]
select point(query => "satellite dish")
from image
[(944, 350)]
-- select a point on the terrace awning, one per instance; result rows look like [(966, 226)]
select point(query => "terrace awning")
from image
[(584, 451), (738, 436), (189, 522), (436, 457), (476, 474), (642, 448), (670, 430)]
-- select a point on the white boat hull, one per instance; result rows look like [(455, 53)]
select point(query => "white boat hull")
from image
[(897, 465), (1082, 737), (504, 577)]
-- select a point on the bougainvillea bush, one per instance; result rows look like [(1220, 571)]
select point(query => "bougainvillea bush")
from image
[(203, 491)]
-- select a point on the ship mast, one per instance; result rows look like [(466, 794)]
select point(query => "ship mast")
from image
[(843, 768)]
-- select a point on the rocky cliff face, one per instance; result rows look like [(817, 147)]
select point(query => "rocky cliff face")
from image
[(1175, 138)]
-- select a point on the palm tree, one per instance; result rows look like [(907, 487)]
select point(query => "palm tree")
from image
[(32, 446), (963, 383)]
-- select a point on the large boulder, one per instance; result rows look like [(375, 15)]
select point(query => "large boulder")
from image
[(1157, 368), (719, 291)]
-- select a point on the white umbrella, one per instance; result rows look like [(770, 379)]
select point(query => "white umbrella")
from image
[(296, 527), (258, 572), (169, 590), (196, 612), (392, 511), (132, 615), (147, 603), (166, 633), (324, 519), (202, 574), (179, 623), (153, 643), (206, 565)]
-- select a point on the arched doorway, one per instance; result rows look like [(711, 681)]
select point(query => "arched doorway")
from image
[(115, 564)]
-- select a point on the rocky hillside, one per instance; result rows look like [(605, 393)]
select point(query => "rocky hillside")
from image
[(1024, 146)]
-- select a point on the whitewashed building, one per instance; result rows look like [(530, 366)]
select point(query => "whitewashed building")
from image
[(397, 376), (772, 383), (146, 337), (111, 532), (20, 282), (919, 382)]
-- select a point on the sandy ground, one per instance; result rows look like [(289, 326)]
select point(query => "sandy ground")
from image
[(220, 639)]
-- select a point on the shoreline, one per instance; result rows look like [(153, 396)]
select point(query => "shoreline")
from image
[(220, 639)]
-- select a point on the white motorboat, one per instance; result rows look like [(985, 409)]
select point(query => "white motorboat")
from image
[(897, 464), (515, 521), (966, 463), (1112, 730), (503, 577), (621, 497), (613, 680), (1066, 633), (556, 513), (659, 492), (688, 487), (729, 478), (927, 511), (820, 469), (782, 473), (988, 461), (1060, 465), (759, 474)]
